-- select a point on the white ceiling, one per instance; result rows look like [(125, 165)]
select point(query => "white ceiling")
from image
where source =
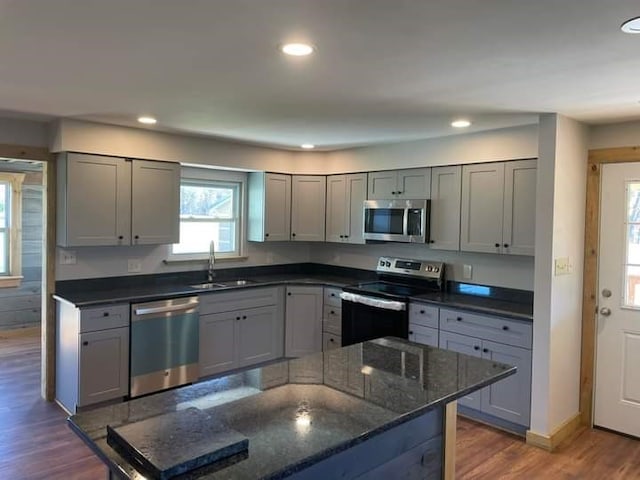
[(384, 70)]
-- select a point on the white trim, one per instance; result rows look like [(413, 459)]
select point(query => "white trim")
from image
[(15, 228)]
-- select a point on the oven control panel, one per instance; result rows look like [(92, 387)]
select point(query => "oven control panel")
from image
[(404, 266)]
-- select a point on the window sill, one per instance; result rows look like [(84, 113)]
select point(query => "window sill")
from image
[(10, 282), (178, 261)]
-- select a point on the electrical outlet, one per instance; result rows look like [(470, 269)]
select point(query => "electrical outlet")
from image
[(134, 265), (467, 271), (67, 257)]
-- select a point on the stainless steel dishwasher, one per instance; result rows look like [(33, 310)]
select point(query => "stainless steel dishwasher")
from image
[(164, 344)]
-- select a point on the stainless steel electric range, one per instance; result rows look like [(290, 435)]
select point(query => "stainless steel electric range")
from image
[(378, 309)]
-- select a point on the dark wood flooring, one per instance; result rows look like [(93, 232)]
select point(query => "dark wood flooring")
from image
[(35, 442)]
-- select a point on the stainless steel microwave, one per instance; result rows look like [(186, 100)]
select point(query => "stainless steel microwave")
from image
[(396, 220)]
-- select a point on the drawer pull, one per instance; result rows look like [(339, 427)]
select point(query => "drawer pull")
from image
[(485, 350), (476, 347), (333, 294), (244, 317), (410, 332), (497, 245), (421, 312), (459, 319), (331, 340), (237, 318), (505, 328), (85, 343), (105, 314)]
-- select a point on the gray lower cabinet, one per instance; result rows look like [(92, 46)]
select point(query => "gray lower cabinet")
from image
[(303, 323), (240, 329), (423, 324), (331, 319), (499, 339), (92, 354)]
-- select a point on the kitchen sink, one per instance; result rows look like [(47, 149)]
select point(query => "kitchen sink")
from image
[(222, 284)]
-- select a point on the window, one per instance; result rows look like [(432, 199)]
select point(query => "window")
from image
[(10, 228), (632, 261), (210, 210)]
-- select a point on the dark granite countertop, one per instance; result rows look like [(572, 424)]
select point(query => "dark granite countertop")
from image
[(517, 304), (182, 288), (488, 305), (298, 412)]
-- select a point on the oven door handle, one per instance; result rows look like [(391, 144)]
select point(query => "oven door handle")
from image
[(373, 302)]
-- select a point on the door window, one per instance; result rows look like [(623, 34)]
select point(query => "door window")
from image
[(632, 254)]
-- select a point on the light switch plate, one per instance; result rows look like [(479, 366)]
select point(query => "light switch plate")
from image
[(562, 266)]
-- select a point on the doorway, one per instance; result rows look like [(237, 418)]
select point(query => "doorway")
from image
[(609, 347), (617, 382)]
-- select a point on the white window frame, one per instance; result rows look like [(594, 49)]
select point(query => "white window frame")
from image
[(204, 175), (14, 276)]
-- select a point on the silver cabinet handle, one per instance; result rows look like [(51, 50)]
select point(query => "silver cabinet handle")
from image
[(168, 308), (605, 312)]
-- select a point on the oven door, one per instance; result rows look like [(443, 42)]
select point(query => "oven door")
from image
[(365, 318)]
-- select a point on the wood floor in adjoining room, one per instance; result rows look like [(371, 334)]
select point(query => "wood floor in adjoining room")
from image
[(35, 442)]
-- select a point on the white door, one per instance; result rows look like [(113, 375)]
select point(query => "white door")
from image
[(308, 196), (336, 208), (356, 190), (277, 207), (446, 190), (617, 380), (519, 223)]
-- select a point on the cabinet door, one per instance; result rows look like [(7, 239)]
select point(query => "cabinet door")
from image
[(303, 324), (470, 346), (337, 206), (481, 211), (414, 183), (509, 398), (308, 208), (446, 190), (155, 205), (94, 201), (356, 189), (382, 185), (519, 224), (218, 342), (277, 213), (257, 335), (330, 341), (104, 365), (423, 335)]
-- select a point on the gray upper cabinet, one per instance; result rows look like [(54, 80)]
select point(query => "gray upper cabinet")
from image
[(308, 194), (446, 191), (414, 183), (498, 207), (269, 207), (345, 207), (155, 202), (519, 223), (106, 201)]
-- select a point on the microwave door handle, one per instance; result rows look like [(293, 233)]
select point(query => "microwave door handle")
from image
[(405, 221)]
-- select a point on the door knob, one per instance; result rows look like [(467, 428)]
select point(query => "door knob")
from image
[(606, 293), (605, 312)]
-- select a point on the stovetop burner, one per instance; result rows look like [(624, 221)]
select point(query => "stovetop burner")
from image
[(400, 278)]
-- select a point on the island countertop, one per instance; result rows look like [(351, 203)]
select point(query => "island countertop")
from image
[(296, 413)]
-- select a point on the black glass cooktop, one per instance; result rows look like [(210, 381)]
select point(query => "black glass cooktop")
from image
[(388, 289)]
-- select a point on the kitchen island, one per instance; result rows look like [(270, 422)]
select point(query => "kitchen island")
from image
[(378, 409)]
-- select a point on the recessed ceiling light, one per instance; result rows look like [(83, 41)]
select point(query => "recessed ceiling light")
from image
[(147, 120), (308, 146), (631, 26), (460, 123), (297, 49)]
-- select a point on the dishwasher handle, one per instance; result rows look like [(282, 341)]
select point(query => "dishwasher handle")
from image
[(165, 308)]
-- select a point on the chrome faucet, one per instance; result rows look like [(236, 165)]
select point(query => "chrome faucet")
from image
[(212, 262)]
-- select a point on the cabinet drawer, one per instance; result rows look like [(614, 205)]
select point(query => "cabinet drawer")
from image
[(104, 318), (218, 302), (332, 320), (332, 297), (495, 329), (330, 341), (424, 335), (425, 315)]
